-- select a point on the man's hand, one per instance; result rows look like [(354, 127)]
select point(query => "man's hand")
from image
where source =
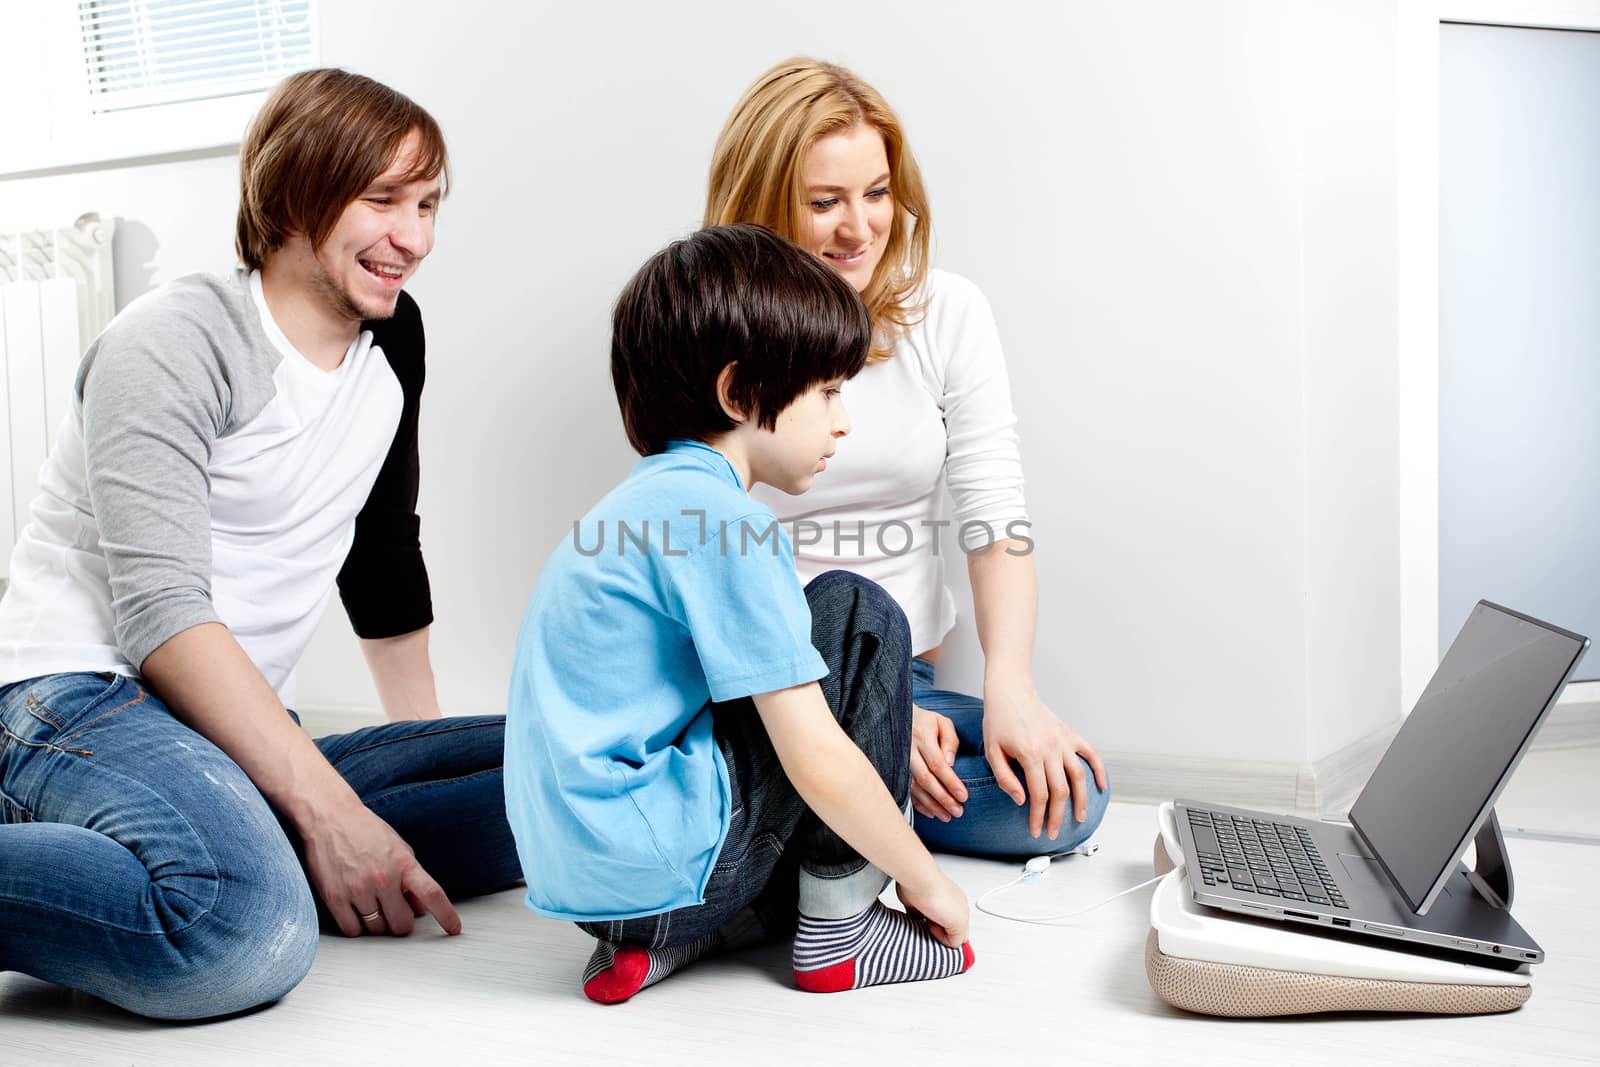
[(942, 903), (358, 865), (1018, 726), (936, 790)]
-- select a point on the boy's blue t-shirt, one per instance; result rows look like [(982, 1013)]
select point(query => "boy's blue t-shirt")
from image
[(675, 590)]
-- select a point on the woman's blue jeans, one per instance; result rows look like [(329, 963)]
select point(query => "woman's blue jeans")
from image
[(991, 823), (139, 863)]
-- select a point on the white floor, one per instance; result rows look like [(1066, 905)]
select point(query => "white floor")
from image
[(506, 991), (1555, 791)]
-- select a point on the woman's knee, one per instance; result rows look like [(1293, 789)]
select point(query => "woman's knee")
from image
[(993, 825), (1075, 832), (1096, 799)]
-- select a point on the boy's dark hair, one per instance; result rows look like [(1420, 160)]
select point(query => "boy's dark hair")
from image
[(729, 294)]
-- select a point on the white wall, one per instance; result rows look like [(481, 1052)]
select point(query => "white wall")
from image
[(1183, 215), (173, 218), (1352, 376)]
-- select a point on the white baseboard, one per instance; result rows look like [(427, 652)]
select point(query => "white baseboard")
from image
[(1152, 778), (1315, 789), (320, 720), (1331, 784), (1572, 723)]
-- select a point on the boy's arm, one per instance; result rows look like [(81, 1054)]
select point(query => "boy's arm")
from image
[(842, 788)]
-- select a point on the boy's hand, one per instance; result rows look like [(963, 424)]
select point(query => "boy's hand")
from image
[(842, 788), (943, 904)]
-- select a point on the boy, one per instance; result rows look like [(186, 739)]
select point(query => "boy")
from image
[(677, 779)]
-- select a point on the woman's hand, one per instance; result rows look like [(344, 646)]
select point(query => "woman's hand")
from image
[(1018, 726), (936, 790)]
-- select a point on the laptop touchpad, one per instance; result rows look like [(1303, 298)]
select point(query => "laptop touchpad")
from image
[(1363, 871)]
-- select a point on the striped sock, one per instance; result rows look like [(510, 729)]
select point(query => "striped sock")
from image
[(617, 972), (879, 945)]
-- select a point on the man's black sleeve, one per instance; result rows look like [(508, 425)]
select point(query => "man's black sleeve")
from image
[(384, 582)]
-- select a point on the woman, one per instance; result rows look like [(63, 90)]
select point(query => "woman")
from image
[(816, 154)]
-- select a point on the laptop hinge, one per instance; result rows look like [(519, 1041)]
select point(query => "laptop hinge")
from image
[(1491, 874)]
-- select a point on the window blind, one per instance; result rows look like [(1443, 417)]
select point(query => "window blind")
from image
[(142, 53)]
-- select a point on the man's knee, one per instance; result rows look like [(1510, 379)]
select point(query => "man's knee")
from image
[(244, 953)]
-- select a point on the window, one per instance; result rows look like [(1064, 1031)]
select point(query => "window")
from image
[(122, 79), (141, 53), (1519, 158)]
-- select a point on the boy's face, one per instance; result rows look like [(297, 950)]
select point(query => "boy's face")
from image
[(377, 244), (796, 450)]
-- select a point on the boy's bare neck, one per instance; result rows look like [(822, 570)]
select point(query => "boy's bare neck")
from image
[(732, 449)]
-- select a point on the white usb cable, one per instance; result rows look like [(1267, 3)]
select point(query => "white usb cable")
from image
[(1037, 866)]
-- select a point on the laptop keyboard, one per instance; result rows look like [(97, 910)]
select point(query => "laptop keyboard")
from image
[(1260, 856)]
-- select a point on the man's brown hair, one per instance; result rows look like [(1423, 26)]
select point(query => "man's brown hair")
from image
[(319, 140)]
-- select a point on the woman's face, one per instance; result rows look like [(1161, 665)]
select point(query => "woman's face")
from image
[(847, 190)]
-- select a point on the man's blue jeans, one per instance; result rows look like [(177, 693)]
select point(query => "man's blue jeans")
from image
[(991, 823), (139, 863)]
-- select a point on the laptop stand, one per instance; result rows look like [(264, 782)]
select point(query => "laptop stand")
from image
[(1491, 872)]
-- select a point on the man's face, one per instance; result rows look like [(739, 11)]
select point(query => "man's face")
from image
[(378, 242)]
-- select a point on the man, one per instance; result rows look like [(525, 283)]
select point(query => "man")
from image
[(237, 444)]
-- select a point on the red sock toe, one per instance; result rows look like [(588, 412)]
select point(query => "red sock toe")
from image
[(833, 979), (967, 957), (622, 979)]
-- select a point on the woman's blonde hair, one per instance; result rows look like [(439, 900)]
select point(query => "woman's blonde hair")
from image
[(758, 175)]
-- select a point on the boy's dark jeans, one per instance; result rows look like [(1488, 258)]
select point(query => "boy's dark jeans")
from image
[(863, 637)]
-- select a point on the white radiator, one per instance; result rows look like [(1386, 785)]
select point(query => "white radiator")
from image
[(56, 295)]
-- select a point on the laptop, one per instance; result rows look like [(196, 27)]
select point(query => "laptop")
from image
[(1395, 873)]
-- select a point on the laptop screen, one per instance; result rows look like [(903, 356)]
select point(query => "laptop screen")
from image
[(1455, 750)]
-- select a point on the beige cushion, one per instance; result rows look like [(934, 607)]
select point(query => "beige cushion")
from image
[(1231, 989), (1228, 989)]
